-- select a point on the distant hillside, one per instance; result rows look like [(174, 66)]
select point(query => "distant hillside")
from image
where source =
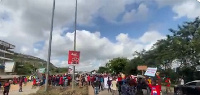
[(26, 64)]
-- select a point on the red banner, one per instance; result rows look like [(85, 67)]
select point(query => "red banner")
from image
[(73, 57)]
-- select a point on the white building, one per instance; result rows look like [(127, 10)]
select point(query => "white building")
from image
[(5, 51)]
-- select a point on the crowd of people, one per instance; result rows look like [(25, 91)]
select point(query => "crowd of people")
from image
[(115, 84), (129, 85)]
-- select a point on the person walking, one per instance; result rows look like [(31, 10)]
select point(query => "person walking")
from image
[(101, 83), (6, 88), (34, 83), (25, 81), (88, 79), (155, 89), (168, 84), (96, 86), (114, 87), (109, 84), (20, 84)]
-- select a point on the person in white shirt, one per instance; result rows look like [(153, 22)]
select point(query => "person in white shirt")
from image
[(114, 87)]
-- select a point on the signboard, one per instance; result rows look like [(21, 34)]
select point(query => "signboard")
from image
[(70, 71), (41, 70), (73, 57), (9, 66), (150, 71), (142, 68)]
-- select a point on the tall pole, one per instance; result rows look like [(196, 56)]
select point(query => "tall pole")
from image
[(73, 76), (49, 50)]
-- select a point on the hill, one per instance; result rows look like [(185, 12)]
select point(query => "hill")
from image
[(27, 64)]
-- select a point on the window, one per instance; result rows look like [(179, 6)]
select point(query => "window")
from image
[(191, 84)]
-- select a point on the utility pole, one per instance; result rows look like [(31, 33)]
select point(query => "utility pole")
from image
[(73, 76), (49, 50)]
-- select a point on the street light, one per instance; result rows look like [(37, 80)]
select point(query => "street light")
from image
[(73, 76), (49, 50)]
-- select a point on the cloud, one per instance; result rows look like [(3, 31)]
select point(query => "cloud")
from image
[(26, 23), (30, 19), (95, 49), (182, 8), (190, 9), (136, 15)]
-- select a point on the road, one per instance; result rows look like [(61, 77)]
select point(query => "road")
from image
[(14, 90)]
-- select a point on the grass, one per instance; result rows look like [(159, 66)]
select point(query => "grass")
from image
[(63, 91)]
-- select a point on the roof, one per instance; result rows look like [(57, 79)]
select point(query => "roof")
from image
[(6, 44), (8, 76), (8, 52), (3, 58)]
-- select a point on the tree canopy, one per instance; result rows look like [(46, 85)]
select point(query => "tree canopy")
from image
[(182, 46)]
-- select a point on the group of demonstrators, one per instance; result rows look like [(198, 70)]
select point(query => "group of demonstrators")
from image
[(115, 84), (129, 85)]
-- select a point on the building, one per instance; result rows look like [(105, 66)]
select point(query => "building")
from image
[(5, 51)]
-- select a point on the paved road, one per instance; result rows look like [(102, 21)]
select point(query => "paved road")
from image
[(14, 90)]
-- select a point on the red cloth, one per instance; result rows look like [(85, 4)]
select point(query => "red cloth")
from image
[(20, 83), (34, 81), (88, 78), (119, 78), (159, 82), (93, 78), (69, 78), (25, 80), (15, 80), (168, 82), (154, 89), (61, 81)]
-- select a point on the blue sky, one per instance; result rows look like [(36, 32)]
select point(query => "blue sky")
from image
[(160, 19), (106, 28)]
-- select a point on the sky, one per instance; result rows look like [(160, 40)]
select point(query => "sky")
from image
[(105, 28)]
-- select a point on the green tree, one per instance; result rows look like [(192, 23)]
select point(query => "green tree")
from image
[(117, 65), (103, 69)]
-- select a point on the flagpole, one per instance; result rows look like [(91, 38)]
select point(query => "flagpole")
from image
[(49, 50)]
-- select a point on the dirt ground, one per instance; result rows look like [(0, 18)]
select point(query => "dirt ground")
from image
[(14, 90)]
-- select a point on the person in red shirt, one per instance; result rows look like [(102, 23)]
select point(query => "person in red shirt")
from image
[(155, 89), (25, 81), (88, 79), (158, 80), (69, 80), (34, 83), (61, 82), (15, 80), (168, 84)]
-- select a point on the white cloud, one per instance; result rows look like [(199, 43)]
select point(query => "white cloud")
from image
[(190, 9), (182, 8), (96, 50), (28, 22), (136, 15)]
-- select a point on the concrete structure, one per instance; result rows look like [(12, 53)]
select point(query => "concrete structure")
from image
[(5, 51)]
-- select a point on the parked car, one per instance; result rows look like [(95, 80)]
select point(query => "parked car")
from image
[(190, 88)]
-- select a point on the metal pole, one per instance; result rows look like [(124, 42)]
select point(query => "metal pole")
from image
[(73, 76), (49, 50)]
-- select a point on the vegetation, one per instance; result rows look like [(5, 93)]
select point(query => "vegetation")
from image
[(181, 46), (26, 64)]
